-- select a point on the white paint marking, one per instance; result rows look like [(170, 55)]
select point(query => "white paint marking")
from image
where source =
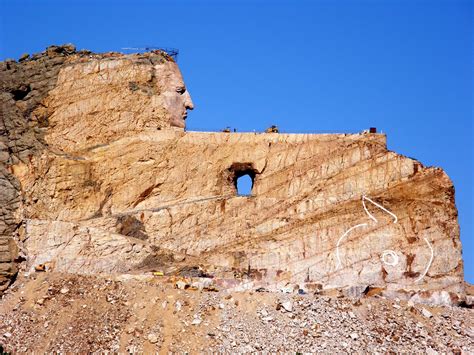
[(379, 206), (391, 254), (386, 253), (339, 264), (367, 211), (429, 264)]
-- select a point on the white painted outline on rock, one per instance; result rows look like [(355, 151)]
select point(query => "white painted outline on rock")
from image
[(339, 264), (386, 252), (394, 256), (429, 264), (395, 218)]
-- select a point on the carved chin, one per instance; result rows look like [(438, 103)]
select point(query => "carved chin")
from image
[(178, 122)]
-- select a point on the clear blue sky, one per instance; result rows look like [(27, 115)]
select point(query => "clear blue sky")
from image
[(308, 66)]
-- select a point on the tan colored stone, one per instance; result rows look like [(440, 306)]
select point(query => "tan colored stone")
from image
[(110, 193), (82, 250), (97, 101), (178, 190)]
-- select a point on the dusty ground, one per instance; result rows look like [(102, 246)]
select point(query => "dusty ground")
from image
[(69, 313)]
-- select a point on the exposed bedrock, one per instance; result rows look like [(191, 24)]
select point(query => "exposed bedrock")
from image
[(337, 210), (23, 86), (111, 186), (63, 100)]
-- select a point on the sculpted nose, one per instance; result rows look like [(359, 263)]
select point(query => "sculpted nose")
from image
[(188, 103)]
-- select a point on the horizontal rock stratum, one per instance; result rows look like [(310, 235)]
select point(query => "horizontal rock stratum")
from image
[(99, 176)]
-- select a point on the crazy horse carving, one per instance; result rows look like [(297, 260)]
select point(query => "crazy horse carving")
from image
[(116, 185)]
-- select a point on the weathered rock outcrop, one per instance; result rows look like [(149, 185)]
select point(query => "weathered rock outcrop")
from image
[(23, 86), (113, 188), (76, 99)]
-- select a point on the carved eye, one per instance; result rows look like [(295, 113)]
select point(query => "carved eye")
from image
[(181, 90)]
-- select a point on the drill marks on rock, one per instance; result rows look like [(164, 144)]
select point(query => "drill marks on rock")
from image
[(161, 208)]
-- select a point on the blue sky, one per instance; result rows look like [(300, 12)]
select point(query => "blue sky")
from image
[(403, 66)]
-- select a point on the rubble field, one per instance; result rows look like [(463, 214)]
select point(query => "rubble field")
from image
[(46, 312)]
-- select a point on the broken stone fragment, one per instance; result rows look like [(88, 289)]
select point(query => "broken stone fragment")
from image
[(426, 313), (40, 301), (289, 288), (196, 321), (40, 268), (53, 51), (153, 338), (196, 285), (469, 301), (24, 57), (181, 285), (356, 291), (287, 306)]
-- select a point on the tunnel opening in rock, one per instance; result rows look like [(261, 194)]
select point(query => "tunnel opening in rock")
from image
[(242, 176), (244, 185)]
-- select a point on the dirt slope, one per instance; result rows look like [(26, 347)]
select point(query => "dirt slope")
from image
[(68, 313)]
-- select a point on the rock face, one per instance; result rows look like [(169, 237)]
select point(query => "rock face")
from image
[(101, 100), (23, 86), (76, 99), (111, 187)]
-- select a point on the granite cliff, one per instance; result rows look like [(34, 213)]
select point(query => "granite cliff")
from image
[(98, 175)]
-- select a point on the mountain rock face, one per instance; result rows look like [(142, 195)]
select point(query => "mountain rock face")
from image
[(98, 176), (75, 99)]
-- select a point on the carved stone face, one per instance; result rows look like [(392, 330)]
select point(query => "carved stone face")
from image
[(100, 100), (173, 95)]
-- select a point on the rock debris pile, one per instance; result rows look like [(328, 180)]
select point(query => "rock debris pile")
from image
[(65, 313)]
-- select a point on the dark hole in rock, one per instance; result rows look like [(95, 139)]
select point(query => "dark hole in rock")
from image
[(21, 92)]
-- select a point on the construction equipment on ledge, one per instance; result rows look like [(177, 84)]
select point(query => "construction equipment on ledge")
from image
[(272, 129), (172, 52), (370, 130), (226, 130)]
